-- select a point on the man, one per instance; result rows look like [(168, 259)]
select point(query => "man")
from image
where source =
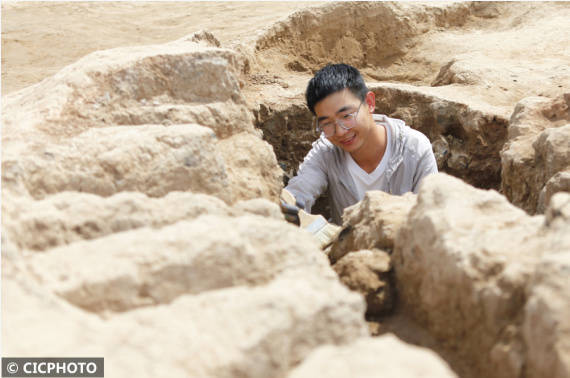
[(357, 150)]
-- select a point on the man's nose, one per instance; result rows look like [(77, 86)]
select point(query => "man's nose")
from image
[(339, 130)]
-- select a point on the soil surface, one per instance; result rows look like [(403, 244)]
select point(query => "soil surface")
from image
[(38, 39), (492, 55)]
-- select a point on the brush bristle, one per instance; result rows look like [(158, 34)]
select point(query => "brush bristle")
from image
[(327, 234)]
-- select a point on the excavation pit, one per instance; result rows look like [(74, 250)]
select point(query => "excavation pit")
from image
[(416, 60)]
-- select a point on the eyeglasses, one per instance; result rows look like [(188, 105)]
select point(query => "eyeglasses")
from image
[(346, 121)]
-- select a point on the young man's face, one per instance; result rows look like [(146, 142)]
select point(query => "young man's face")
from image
[(337, 106)]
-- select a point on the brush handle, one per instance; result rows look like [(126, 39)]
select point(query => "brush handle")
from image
[(307, 219)]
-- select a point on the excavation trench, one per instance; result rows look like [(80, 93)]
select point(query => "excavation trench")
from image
[(390, 44), (466, 135), (432, 91), (466, 141)]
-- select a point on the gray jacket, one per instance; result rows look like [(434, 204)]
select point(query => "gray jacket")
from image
[(411, 159)]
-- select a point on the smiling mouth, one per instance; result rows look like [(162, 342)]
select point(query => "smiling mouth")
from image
[(346, 141)]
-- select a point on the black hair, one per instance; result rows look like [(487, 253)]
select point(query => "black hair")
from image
[(333, 78)]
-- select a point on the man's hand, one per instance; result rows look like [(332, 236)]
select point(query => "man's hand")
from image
[(324, 232), (291, 213), (289, 207)]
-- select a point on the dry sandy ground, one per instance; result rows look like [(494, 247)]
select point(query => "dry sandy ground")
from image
[(510, 52), (504, 52), (38, 39), (513, 50)]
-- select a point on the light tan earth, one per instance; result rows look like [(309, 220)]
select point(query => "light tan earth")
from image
[(454, 71), (38, 39), (139, 176), (511, 46)]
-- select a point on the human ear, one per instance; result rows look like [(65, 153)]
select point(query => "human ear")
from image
[(370, 101)]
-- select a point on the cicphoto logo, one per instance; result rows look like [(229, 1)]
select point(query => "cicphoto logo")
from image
[(52, 367)]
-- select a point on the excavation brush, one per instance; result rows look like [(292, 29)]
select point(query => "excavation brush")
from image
[(324, 232)]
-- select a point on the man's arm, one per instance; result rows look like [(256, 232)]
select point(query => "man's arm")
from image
[(311, 179), (426, 165)]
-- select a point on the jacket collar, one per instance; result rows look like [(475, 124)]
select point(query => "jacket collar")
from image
[(397, 142)]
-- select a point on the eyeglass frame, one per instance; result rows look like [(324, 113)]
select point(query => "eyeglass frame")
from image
[(339, 122)]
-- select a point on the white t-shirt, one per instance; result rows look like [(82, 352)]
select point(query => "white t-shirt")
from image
[(369, 181)]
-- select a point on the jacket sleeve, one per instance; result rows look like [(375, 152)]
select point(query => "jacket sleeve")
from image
[(426, 165), (311, 180)]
